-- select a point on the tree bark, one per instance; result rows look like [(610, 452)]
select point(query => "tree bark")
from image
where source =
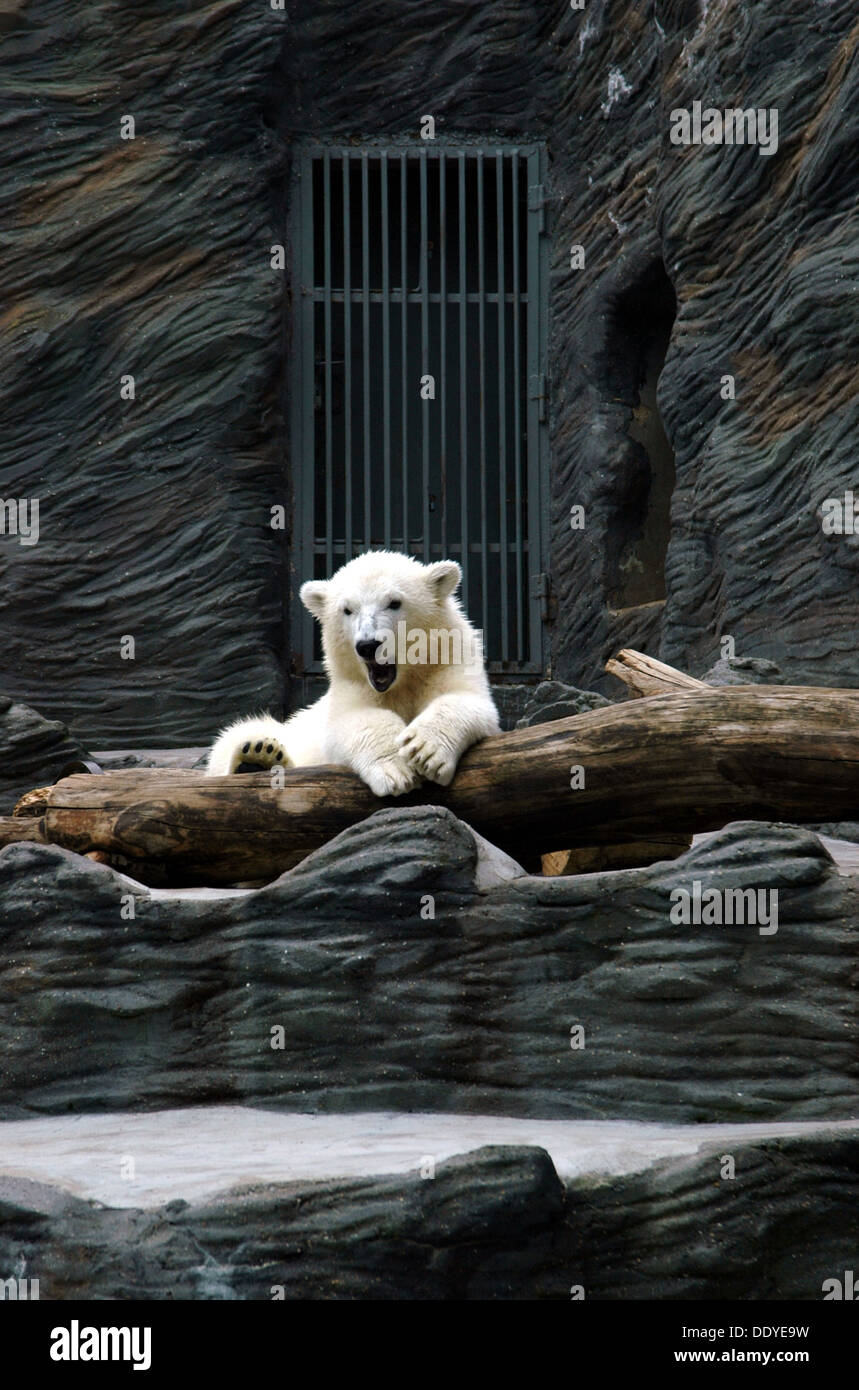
[(644, 675), (656, 766), (14, 828)]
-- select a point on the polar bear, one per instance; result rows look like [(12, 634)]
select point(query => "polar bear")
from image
[(407, 692)]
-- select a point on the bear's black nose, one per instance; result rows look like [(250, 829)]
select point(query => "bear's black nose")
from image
[(367, 650)]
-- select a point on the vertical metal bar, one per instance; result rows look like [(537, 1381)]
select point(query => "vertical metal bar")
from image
[(329, 432), (425, 404), (442, 373), (347, 347), (543, 653), (307, 527), (534, 440), (365, 365), (463, 382), (481, 301), (404, 374), (386, 344), (517, 413), (502, 411)]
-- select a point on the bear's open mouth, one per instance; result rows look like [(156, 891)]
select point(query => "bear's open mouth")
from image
[(381, 675)]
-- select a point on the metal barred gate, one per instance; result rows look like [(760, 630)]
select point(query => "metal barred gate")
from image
[(418, 395)]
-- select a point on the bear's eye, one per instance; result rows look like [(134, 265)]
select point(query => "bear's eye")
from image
[(395, 603), (348, 612)]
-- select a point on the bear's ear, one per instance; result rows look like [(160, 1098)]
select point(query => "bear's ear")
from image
[(443, 577), (313, 595)]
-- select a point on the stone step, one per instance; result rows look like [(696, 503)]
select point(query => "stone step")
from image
[(236, 1203)]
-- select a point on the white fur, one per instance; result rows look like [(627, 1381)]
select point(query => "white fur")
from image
[(417, 729)]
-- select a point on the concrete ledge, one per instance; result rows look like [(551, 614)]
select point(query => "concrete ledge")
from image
[(231, 1203)]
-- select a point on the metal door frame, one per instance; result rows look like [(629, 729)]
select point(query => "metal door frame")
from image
[(305, 294)]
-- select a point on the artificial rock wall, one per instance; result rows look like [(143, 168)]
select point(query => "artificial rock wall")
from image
[(152, 257)]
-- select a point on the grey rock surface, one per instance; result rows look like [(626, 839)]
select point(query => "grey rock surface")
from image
[(116, 759), (152, 257), (33, 751), (841, 830), (738, 670), (497, 1222), (728, 263), (555, 700), (401, 983), (148, 257), (510, 701)]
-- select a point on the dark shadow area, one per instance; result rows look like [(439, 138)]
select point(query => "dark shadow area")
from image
[(639, 529)]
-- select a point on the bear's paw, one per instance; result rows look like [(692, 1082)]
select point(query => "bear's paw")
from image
[(261, 752), (428, 753), (392, 776)]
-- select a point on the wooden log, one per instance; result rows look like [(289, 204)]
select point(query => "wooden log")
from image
[(646, 676), (630, 854), (14, 828), (32, 803), (663, 764)]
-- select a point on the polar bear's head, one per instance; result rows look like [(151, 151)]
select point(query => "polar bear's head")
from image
[(361, 609)]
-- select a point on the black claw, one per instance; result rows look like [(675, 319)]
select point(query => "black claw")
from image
[(246, 748), (258, 748)]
